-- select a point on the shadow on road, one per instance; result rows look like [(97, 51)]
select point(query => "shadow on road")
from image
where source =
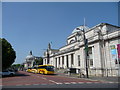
[(19, 73), (16, 75), (52, 74), (48, 74)]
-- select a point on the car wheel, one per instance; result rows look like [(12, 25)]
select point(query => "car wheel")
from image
[(11, 74), (42, 72), (39, 72)]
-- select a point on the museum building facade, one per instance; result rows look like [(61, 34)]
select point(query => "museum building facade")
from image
[(103, 51)]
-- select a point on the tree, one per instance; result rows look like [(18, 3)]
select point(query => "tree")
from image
[(8, 54), (15, 66), (38, 61)]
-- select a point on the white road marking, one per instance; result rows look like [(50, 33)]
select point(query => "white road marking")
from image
[(59, 83), (97, 82), (110, 82), (89, 82), (44, 78), (1, 85), (80, 82), (73, 82), (27, 84), (53, 81), (67, 83)]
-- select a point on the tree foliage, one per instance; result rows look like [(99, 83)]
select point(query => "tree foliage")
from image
[(16, 65), (39, 61), (8, 54)]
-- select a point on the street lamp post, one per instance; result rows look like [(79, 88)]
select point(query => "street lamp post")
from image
[(47, 56), (86, 50)]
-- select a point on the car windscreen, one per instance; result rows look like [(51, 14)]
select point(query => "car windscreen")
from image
[(50, 68)]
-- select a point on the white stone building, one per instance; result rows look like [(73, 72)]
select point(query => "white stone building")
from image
[(102, 58)]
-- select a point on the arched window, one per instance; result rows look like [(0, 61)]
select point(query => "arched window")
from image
[(72, 41)]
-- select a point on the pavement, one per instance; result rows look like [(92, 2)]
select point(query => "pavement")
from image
[(95, 78)]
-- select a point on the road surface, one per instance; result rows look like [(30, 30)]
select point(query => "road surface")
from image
[(30, 80)]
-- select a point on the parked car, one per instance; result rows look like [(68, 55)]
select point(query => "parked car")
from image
[(7, 73), (34, 69), (28, 70)]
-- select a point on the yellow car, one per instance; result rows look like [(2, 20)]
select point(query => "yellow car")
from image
[(34, 70), (28, 70)]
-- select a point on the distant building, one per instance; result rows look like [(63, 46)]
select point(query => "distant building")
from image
[(30, 60), (103, 53)]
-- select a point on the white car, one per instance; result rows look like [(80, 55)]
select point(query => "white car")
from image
[(7, 73)]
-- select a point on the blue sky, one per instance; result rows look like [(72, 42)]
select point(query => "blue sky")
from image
[(32, 25)]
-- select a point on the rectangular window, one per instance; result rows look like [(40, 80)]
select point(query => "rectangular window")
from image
[(72, 59), (45, 61), (78, 60), (117, 61), (56, 62), (67, 63), (59, 60), (62, 59), (90, 56), (48, 59), (91, 62)]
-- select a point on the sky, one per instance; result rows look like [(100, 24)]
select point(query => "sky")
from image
[(32, 25)]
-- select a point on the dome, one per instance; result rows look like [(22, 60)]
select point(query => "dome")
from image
[(29, 57), (79, 28)]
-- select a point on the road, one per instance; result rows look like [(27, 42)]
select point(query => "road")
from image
[(30, 80)]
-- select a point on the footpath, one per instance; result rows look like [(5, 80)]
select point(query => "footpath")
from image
[(95, 78)]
